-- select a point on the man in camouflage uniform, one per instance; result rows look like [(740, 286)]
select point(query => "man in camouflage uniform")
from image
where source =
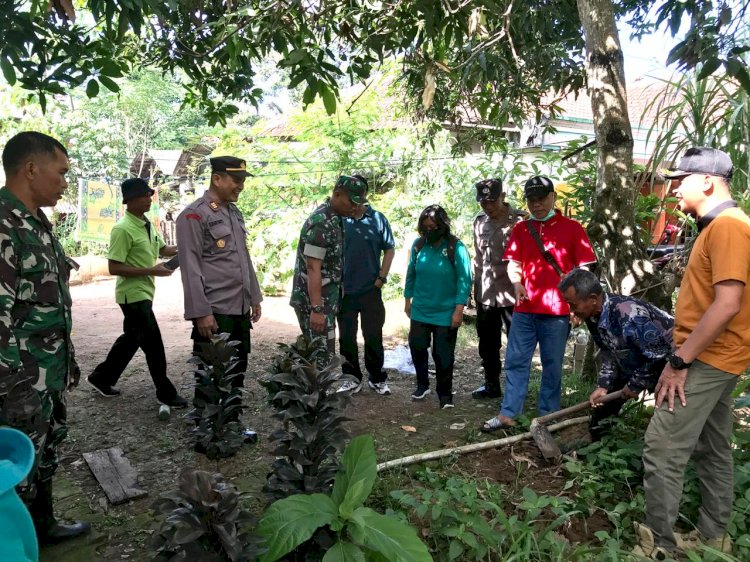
[(37, 362), (221, 289), (317, 288)]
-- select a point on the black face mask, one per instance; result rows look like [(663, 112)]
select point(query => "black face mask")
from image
[(433, 236)]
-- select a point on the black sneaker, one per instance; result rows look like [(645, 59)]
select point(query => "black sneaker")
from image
[(177, 402), (446, 402), (485, 391), (421, 393), (106, 391)]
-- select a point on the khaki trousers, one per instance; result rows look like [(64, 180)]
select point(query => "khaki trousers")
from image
[(701, 430)]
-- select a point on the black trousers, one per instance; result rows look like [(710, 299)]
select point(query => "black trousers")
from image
[(443, 353), (598, 427), (140, 331), (369, 307), (238, 327), (490, 323)]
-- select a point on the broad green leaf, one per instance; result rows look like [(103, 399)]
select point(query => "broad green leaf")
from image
[(455, 550), (344, 552), (110, 84), (357, 475), (395, 540), (92, 88), (329, 100), (709, 67), (289, 522), (8, 71)]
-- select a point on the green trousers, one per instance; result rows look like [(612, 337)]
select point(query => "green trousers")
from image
[(702, 431), (326, 341)]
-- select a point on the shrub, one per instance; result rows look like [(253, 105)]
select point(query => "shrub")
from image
[(312, 416), (204, 522), (217, 432), (358, 532)]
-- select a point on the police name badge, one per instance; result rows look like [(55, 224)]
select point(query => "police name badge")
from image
[(221, 243)]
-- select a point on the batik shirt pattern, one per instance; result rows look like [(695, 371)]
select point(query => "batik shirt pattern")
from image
[(635, 338)]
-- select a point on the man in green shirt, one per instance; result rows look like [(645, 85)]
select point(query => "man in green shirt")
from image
[(134, 246)]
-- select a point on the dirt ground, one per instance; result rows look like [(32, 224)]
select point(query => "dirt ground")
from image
[(160, 450)]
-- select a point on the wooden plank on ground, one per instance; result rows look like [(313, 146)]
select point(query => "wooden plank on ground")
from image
[(115, 474)]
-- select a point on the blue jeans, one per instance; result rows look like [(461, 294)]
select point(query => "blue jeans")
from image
[(551, 332)]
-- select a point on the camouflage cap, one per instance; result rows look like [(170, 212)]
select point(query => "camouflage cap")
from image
[(355, 188)]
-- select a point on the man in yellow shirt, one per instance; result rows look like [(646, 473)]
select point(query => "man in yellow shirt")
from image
[(693, 415)]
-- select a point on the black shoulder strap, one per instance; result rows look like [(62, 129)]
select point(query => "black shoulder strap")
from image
[(545, 253), (452, 249), (418, 245)]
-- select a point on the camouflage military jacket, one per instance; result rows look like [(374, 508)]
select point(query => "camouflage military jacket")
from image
[(322, 237), (35, 303)]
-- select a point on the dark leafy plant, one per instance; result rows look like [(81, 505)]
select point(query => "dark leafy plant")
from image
[(312, 416), (300, 352), (217, 432), (359, 532), (204, 522)]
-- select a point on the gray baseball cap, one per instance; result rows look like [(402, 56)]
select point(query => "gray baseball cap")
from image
[(702, 160)]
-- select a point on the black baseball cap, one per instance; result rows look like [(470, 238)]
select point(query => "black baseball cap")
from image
[(231, 165), (702, 160), (538, 187), (135, 187), (489, 190)]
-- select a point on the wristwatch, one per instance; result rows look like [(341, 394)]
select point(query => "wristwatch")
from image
[(383, 278), (318, 308), (678, 362)]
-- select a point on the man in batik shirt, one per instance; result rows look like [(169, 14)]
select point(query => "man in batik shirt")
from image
[(634, 336)]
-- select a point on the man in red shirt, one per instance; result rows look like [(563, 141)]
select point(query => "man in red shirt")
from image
[(541, 314)]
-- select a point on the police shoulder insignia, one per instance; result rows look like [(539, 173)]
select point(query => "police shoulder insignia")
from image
[(214, 205), (221, 243)]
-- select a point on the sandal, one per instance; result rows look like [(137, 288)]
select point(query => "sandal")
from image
[(495, 424)]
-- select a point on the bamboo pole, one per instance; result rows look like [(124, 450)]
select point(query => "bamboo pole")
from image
[(439, 454)]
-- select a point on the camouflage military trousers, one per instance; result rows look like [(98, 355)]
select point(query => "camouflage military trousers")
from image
[(326, 340), (42, 416)]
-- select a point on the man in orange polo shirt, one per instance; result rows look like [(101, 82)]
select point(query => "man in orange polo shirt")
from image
[(693, 415)]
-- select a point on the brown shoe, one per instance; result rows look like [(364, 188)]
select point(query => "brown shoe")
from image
[(646, 547)]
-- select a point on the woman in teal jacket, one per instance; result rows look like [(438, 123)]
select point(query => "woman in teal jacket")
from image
[(17, 537), (438, 282)]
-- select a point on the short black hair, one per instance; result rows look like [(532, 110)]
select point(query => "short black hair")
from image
[(28, 143), (583, 281), (437, 214)]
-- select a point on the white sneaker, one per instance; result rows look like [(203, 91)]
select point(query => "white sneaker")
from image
[(379, 387), (350, 386)]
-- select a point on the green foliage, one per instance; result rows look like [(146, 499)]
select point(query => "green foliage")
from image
[(218, 402), (468, 520), (360, 533), (718, 34), (204, 522), (312, 416), (711, 112), (64, 230)]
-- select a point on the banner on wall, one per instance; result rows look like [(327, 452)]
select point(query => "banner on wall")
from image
[(100, 207)]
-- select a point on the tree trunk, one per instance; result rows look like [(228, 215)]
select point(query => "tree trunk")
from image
[(613, 228)]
